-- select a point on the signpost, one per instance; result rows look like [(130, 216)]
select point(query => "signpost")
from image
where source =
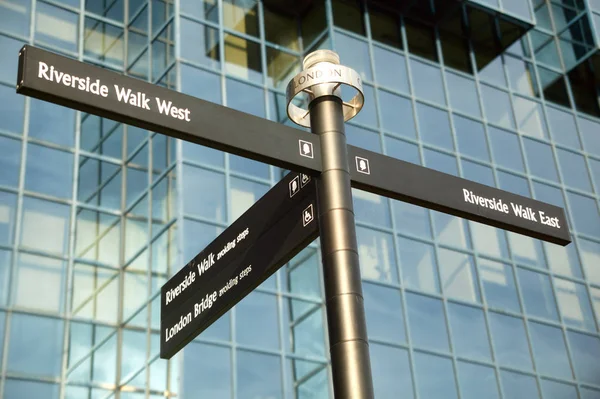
[(299, 208)]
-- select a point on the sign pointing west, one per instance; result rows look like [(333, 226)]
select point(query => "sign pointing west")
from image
[(61, 80)]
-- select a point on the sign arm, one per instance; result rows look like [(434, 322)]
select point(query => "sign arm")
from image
[(209, 124), (429, 188)]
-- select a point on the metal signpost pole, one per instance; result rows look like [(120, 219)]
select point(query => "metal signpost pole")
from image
[(349, 348)]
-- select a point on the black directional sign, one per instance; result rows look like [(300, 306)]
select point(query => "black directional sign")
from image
[(108, 94), (446, 193), (61, 80), (260, 241)]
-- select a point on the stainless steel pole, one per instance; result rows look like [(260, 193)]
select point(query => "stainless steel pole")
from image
[(349, 348)]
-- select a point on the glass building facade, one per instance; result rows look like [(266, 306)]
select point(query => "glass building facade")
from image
[(95, 215)]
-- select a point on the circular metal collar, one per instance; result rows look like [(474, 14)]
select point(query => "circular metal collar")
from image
[(323, 78)]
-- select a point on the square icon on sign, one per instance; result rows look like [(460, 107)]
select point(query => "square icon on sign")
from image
[(362, 165), (294, 186), (308, 215), (304, 179), (306, 149)]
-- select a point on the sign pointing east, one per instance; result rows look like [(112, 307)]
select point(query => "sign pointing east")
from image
[(405, 181)]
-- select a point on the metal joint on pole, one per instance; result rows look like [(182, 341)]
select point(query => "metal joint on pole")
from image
[(322, 79)]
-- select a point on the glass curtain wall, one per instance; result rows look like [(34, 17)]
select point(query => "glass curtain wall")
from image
[(95, 215)]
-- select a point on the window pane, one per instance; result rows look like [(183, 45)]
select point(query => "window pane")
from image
[(45, 225), (412, 219), (48, 18), (257, 322), (396, 114), (556, 390), (203, 9), (540, 159), (489, 240), (242, 58), (198, 83), (8, 208), (241, 16), (383, 308), (590, 136), (469, 332), (5, 260), (418, 264), (574, 170), (550, 351), (435, 377), (363, 138), (471, 138), (537, 294), (10, 159), (390, 68), (207, 371), (52, 123), (521, 75), (506, 149), (371, 208), (477, 381), (440, 161), (281, 67), (391, 372), (39, 283), (588, 393), (17, 389), (35, 345), (586, 216), (510, 342), (377, 257), (530, 118), (49, 171), (12, 109), (562, 125), (427, 80), (427, 322), (204, 49), (585, 350), (451, 230), (8, 68), (204, 193), (434, 126), (281, 29), (497, 106), (16, 16), (104, 42), (516, 385), (463, 94), (457, 272), (258, 376), (403, 150), (354, 54), (574, 304), (478, 173)]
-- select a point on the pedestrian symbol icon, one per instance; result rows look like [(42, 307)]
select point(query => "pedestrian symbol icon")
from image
[(362, 165), (308, 215), (294, 186), (306, 149), (304, 179)]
